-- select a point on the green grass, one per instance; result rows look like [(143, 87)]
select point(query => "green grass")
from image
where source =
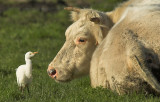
[(31, 30)]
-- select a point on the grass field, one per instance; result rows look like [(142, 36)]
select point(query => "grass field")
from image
[(32, 30)]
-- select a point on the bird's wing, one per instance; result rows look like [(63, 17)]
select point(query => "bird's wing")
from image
[(20, 74), (20, 70)]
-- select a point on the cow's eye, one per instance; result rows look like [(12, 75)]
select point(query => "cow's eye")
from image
[(81, 40)]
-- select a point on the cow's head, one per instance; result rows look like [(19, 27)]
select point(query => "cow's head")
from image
[(82, 38)]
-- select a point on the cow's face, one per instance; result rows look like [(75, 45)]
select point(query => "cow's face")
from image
[(73, 60)]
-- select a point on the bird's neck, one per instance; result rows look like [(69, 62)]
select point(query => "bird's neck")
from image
[(28, 61), (28, 67)]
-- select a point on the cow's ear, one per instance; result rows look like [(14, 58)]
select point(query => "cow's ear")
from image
[(75, 16), (98, 35), (75, 12), (96, 20)]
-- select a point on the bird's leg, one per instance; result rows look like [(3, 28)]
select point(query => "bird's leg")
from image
[(28, 88), (21, 89)]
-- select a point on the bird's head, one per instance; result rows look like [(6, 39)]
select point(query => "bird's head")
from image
[(30, 54)]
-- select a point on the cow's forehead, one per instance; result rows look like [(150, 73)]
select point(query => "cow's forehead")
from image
[(78, 27)]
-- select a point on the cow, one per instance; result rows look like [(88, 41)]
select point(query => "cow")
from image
[(120, 49)]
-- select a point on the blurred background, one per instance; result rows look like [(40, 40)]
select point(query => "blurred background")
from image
[(54, 5)]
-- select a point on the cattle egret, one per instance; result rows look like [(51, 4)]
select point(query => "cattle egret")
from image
[(24, 72)]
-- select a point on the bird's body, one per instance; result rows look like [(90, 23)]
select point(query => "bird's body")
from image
[(24, 72), (22, 78)]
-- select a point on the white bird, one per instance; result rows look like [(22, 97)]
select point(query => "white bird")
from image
[(24, 72)]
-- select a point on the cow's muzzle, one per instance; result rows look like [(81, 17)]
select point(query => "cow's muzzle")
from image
[(52, 72)]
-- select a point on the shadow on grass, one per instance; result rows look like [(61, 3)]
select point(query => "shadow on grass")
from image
[(5, 72), (18, 96)]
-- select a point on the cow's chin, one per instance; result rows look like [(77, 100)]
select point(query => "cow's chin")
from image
[(68, 78), (63, 78)]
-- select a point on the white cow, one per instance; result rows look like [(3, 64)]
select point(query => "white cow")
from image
[(125, 44)]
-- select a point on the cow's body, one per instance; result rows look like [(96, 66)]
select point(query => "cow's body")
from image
[(127, 59)]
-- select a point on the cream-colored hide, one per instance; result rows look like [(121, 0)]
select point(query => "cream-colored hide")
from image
[(127, 60), (128, 53), (82, 37)]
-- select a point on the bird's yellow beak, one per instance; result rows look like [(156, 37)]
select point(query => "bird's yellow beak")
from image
[(35, 52)]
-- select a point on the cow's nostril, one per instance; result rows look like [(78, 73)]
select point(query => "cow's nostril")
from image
[(52, 72)]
